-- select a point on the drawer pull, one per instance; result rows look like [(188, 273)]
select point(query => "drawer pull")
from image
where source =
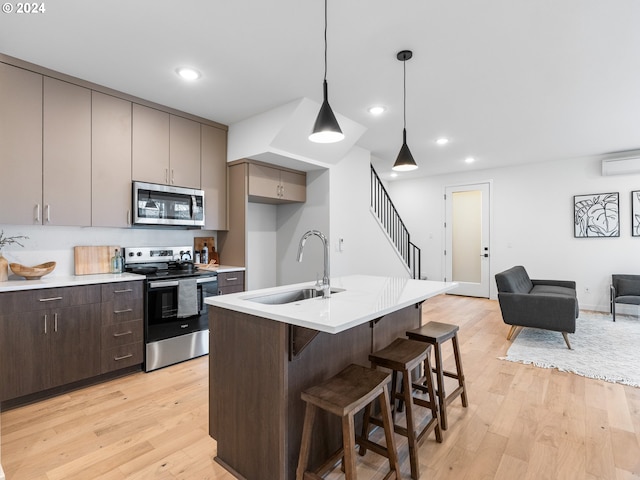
[(126, 310), (231, 279), (50, 299), (123, 357), (126, 290), (186, 325), (122, 334)]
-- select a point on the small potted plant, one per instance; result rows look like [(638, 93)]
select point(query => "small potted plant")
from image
[(4, 264)]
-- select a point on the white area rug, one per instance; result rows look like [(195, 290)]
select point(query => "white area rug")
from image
[(601, 348)]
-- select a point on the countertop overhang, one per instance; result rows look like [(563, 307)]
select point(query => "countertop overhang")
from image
[(67, 281), (364, 298)]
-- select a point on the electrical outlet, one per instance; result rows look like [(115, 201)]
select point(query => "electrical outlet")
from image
[(586, 290)]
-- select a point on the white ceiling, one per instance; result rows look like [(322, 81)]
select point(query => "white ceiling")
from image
[(508, 81)]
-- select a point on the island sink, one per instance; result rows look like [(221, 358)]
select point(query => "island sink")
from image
[(291, 296)]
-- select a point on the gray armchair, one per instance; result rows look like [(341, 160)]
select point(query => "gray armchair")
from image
[(546, 304), (624, 289)]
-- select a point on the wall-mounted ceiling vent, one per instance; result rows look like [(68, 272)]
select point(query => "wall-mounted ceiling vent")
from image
[(620, 166)]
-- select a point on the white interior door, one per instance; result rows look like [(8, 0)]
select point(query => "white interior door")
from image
[(467, 213)]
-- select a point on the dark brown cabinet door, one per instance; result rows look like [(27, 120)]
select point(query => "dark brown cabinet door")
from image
[(74, 344), (25, 354), (48, 347)]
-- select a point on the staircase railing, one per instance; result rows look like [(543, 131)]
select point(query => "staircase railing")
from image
[(390, 220)]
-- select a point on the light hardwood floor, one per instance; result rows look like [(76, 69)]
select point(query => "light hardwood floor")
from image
[(522, 422)]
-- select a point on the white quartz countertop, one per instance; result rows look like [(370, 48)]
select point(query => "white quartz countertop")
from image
[(364, 298), (67, 281)]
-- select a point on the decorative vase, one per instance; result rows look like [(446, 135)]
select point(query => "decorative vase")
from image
[(4, 269)]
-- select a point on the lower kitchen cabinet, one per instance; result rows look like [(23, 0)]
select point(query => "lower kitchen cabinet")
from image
[(54, 337), (48, 347), (122, 325), (230, 282)]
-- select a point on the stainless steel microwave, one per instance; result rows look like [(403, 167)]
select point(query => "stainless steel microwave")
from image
[(155, 204)]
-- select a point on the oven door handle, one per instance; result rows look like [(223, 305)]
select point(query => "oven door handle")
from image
[(167, 283), (207, 280)]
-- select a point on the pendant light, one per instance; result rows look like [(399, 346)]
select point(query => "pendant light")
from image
[(405, 161), (326, 128)]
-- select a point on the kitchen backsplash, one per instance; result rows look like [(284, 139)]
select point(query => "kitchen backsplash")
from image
[(53, 243)]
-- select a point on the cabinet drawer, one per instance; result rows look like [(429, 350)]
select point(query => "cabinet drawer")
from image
[(122, 356), (121, 311), (231, 289), (41, 299), (121, 291), (227, 279), (121, 334)]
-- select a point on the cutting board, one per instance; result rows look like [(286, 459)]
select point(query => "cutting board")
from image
[(93, 259), (198, 244)]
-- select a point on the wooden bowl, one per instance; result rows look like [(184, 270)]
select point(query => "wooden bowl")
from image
[(33, 273)]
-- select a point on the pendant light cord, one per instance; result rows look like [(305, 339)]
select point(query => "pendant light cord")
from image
[(325, 40), (404, 95)]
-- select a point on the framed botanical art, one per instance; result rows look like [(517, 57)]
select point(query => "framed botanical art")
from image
[(597, 215), (635, 213)]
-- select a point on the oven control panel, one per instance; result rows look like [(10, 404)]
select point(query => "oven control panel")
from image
[(157, 254)]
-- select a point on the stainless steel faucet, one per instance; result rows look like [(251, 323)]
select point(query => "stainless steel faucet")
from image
[(326, 288)]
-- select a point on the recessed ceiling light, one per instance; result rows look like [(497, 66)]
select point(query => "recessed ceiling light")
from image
[(188, 73), (469, 160), (376, 110), (442, 141)]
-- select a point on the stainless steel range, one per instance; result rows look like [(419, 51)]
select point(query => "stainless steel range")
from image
[(176, 326)]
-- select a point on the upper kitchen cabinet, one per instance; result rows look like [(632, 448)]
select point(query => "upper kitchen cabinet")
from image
[(150, 145), (166, 148), (184, 152), (110, 161), (20, 146), (214, 176), (276, 185), (66, 154)]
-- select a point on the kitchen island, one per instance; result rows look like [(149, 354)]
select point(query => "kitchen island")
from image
[(267, 346)]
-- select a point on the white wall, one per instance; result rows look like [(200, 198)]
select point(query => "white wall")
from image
[(532, 223), (293, 221), (366, 248), (261, 245), (52, 243)]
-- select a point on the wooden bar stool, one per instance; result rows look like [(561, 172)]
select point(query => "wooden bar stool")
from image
[(435, 333), (402, 356), (344, 395)]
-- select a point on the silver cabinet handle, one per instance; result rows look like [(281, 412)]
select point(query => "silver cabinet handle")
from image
[(123, 291), (172, 177), (126, 310), (45, 323), (232, 279), (128, 217), (166, 175), (122, 334), (50, 299), (37, 216), (48, 209), (123, 357), (55, 322)]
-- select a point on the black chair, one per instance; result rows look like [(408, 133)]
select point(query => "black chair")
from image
[(546, 304), (624, 289)]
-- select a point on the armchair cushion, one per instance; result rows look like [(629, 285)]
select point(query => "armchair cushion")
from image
[(514, 280), (628, 287)]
